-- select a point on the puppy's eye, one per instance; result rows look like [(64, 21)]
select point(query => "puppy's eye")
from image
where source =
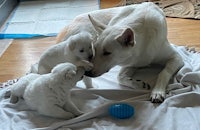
[(106, 53), (81, 50)]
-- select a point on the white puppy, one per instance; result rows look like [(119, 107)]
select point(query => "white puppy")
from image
[(77, 49), (49, 94)]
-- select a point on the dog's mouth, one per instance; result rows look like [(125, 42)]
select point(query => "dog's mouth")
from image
[(89, 73), (93, 74)]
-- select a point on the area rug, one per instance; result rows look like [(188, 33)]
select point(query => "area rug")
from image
[(173, 8), (46, 17)]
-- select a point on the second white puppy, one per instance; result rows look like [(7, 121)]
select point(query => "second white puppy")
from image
[(77, 49), (49, 94)]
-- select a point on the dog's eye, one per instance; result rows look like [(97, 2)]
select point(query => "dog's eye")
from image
[(106, 53), (81, 50)]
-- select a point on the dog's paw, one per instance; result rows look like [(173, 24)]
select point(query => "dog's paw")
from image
[(157, 96)]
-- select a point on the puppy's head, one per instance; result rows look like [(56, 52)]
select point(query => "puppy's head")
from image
[(81, 45), (68, 72), (113, 47)]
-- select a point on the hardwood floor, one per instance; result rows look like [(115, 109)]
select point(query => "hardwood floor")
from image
[(109, 3), (17, 59)]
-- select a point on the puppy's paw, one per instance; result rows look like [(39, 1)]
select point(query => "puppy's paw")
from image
[(157, 96), (87, 65), (13, 99)]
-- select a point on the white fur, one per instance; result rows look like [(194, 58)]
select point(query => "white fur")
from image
[(49, 94), (77, 49), (131, 36), (136, 37)]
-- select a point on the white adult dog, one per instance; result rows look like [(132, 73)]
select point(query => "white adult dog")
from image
[(49, 94), (133, 36), (136, 37), (77, 49)]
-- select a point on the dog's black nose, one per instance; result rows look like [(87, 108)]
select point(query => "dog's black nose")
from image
[(90, 57), (88, 73)]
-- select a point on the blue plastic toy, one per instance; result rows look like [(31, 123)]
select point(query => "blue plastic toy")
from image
[(121, 111)]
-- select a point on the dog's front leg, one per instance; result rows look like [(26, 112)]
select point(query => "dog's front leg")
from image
[(87, 66), (88, 82), (172, 66), (126, 77)]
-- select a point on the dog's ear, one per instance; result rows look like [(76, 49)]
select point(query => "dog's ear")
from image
[(126, 38), (69, 74), (99, 27), (72, 45)]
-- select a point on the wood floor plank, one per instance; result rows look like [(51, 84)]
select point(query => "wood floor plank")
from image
[(17, 59)]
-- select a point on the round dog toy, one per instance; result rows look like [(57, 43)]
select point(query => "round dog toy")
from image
[(121, 111)]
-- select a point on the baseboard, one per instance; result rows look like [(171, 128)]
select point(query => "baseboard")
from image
[(6, 7)]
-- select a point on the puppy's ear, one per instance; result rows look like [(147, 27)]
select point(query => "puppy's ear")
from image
[(69, 74), (99, 27), (126, 38)]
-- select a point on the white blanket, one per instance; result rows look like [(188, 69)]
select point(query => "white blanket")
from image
[(180, 110)]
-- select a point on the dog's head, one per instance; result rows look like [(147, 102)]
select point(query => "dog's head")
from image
[(81, 45), (68, 72), (112, 47)]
